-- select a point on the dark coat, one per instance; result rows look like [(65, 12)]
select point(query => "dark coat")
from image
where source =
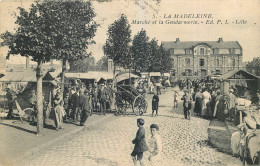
[(84, 103), (155, 102), (139, 141), (102, 94), (75, 100)]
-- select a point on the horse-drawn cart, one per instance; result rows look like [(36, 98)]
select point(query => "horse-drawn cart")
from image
[(127, 96)]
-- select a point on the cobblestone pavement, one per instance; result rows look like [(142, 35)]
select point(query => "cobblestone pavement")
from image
[(109, 143)]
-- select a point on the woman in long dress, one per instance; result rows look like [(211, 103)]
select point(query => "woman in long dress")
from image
[(198, 102), (59, 111), (206, 103)]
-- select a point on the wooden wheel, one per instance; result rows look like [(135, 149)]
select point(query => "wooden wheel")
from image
[(27, 115), (139, 105)]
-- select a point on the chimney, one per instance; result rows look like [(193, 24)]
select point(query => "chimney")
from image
[(220, 40), (27, 62), (51, 62), (110, 65), (177, 40)]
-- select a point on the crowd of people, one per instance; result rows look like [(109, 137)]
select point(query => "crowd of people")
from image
[(209, 102)]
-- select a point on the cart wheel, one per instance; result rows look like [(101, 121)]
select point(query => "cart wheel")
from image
[(26, 114), (139, 105)]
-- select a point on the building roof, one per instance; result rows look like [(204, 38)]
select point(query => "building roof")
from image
[(26, 76), (238, 74), (190, 44)]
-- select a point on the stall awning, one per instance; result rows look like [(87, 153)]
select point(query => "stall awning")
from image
[(125, 76), (155, 74), (90, 75), (21, 76), (238, 74), (166, 74)]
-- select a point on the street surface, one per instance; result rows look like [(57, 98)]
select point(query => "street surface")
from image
[(109, 143)]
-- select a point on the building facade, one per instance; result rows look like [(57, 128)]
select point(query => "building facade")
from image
[(201, 58)]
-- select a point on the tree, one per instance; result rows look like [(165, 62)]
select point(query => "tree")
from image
[(82, 65), (166, 60), (117, 44), (154, 58), (52, 30), (102, 64), (72, 29), (141, 51), (31, 39)]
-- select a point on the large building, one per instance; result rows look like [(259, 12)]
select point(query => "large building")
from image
[(201, 58)]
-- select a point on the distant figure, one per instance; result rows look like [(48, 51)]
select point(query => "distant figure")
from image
[(155, 145), (10, 97), (187, 99), (59, 111), (198, 102), (155, 104), (75, 105), (206, 108), (85, 107), (175, 99), (102, 97), (140, 143)]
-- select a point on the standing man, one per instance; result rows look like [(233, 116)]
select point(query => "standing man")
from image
[(187, 99), (85, 107), (102, 97), (75, 101), (10, 98)]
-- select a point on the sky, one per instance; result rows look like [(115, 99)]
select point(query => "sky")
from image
[(246, 12)]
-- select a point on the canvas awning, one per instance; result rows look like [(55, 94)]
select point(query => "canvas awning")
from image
[(125, 76), (238, 75), (21, 76), (90, 75), (155, 74), (166, 74)]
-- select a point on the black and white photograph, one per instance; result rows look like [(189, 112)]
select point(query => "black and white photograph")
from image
[(129, 82)]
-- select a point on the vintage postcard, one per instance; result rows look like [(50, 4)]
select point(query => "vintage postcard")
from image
[(129, 82)]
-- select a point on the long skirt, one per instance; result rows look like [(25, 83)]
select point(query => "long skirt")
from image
[(198, 105)]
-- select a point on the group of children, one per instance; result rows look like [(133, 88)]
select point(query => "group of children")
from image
[(155, 144)]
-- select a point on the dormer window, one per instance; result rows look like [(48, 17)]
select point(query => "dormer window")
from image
[(202, 51)]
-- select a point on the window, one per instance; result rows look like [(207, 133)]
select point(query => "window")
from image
[(172, 51), (187, 62), (217, 72), (201, 51), (201, 62), (231, 51), (172, 62), (187, 51), (216, 51), (216, 62), (234, 62)]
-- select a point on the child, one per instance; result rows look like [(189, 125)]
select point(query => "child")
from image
[(155, 145), (175, 99), (140, 143), (155, 103)]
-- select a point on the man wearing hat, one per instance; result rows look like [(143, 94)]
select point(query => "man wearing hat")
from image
[(102, 97), (85, 107), (140, 143), (187, 99)]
